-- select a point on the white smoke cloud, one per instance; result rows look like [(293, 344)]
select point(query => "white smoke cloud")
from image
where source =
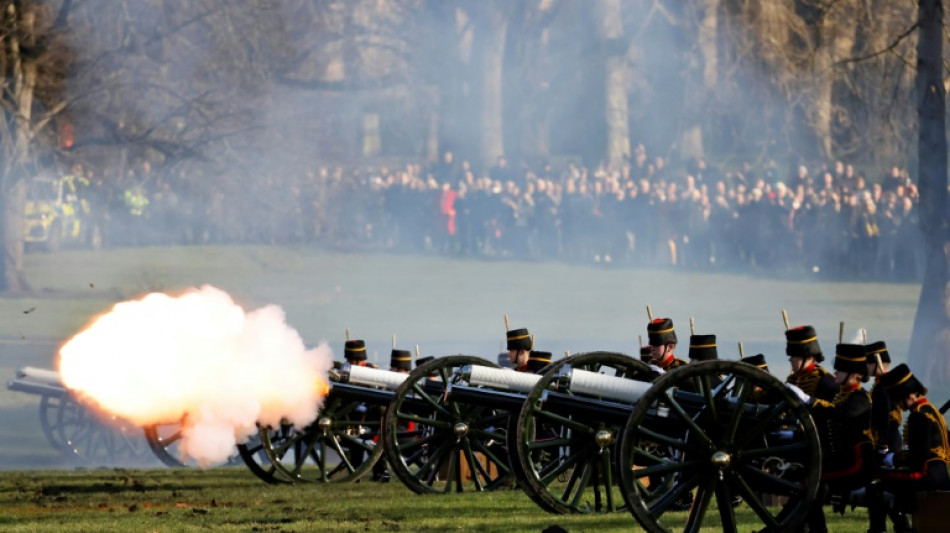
[(197, 357)]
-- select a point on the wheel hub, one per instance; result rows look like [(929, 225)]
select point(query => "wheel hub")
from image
[(721, 459), (324, 423), (603, 438), (461, 429)]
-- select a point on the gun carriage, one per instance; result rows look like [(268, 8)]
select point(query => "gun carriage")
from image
[(343, 443), (592, 434), (80, 431), (589, 434), (92, 437)]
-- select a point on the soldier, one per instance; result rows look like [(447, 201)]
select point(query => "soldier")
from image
[(886, 416), (760, 394), (537, 361), (663, 343), (702, 348), (646, 354), (757, 360), (845, 427), (925, 460), (400, 361), (354, 351), (519, 348), (804, 355)]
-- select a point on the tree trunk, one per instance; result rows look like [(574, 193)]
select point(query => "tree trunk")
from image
[(691, 141), (12, 189), (618, 128), (492, 35), (929, 353), (836, 42)]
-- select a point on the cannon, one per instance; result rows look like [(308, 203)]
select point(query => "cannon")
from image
[(592, 434), (343, 443), (77, 432), (96, 438)]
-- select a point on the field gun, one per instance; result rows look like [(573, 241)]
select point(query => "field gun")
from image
[(342, 443), (593, 434), (76, 430)]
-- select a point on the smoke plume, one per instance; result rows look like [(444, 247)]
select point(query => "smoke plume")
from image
[(199, 358)]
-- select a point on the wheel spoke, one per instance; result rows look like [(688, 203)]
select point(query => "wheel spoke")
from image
[(564, 463), (762, 424), (727, 514), (745, 388), (690, 422), (683, 486), (435, 404), (700, 504), (556, 419), (665, 468), (791, 488), (660, 438), (775, 450), (750, 497)]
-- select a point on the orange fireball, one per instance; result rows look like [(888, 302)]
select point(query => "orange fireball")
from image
[(161, 357)]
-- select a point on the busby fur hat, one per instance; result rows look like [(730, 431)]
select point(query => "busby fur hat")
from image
[(354, 350), (900, 382), (757, 360), (802, 341), (401, 359), (538, 360), (851, 358), (519, 339), (702, 348), (660, 332), (879, 349)]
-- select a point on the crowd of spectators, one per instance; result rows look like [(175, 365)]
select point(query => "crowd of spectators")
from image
[(829, 220)]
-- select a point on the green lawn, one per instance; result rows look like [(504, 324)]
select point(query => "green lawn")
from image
[(229, 499)]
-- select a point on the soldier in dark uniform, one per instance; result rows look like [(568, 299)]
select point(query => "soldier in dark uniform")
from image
[(354, 351), (760, 394), (804, 355), (400, 361), (924, 464), (757, 360), (519, 348), (845, 427), (703, 348), (537, 361), (663, 343), (646, 354), (886, 416)]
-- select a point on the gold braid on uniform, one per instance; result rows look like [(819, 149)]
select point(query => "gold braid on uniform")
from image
[(940, 452), (807, 382), (896, 415)]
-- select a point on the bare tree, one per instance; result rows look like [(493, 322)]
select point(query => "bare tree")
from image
[(930, 341)]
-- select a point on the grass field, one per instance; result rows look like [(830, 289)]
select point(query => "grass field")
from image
[(446, 306), (233, 500)]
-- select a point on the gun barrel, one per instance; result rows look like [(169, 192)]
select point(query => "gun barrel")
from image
[(372, 377), (499, 378), (48, 377), (612, 387)]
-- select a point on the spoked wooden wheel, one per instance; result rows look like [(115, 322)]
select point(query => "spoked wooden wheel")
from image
[(437, 443), (255, 459), (566, 442), (50, 420), (93, 437), (340, 445), (745, 439), (164, 439)]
